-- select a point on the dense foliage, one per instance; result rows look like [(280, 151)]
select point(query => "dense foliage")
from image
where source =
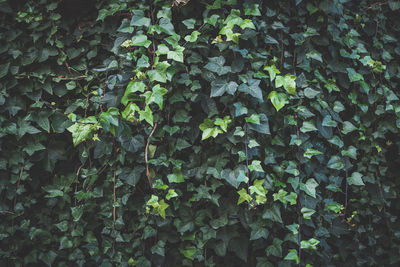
[(199, 133)]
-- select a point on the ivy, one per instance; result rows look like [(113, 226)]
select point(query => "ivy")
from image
[(199, 133)]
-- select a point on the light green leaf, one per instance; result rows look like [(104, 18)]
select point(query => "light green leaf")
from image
[(355, 179), (307, 213), (311, 152), (256, 166), (176, 55), (308, 126), (289, 83), (243, 196), (272, 70), (192, 37), (292, 256), (146, 115), (279, 100)]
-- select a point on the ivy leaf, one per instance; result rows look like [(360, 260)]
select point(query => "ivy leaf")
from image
[(336, 163), (256, 166), (355, 179), (351, 152), (146, 115), (192, 37), (311, 152), (273, 213), (289, 83), (292, 256), (254, 118), (348, 127), (81, 132), (272, 70), (188, 252), (243, 196), (221, 86), (279, 100), (308, 126), (216, 64), (309, 244), (309, 187), (263, 126), (252, 88), (353, 75), (176, 55), (140, 40), (307, 213), (138, 19)]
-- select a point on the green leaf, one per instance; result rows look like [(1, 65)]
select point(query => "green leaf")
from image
[(138, 19), (243, 196), (258, 233), (311, 152), (273, 213), (176, 176), (188, 252), (289, 84), (171, 194), (140, 40), (307, 213), (328, 122), (254, 118), (292, 256), (77, 213), (336, 163), (263, 126), (308, 126), (65, 243), (348, 127), (279, 100), (252, 88), (216, 64), (253, 10), (351, 152), (176, 55), (272, 70), (4, 69), (309, 244), (221, 86), (355, 179), (146, 115), (256, 166), (309, 187), (353, 75), (311, 93), (192, 37), (223, 123), (82, 131)]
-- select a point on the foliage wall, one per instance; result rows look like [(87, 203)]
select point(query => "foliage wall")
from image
[(199, 133)]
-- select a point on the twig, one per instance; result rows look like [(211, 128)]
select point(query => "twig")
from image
[(377, 4), (115, 199), (247, 158), (347, 175), (298, 203), (6, 212), (145, 156), (19, 181)]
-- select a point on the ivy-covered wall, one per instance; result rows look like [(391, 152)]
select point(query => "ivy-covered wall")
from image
[(199, 133)]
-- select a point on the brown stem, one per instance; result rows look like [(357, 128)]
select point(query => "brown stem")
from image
[(145, 156), (19, 181), (115, 199)]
